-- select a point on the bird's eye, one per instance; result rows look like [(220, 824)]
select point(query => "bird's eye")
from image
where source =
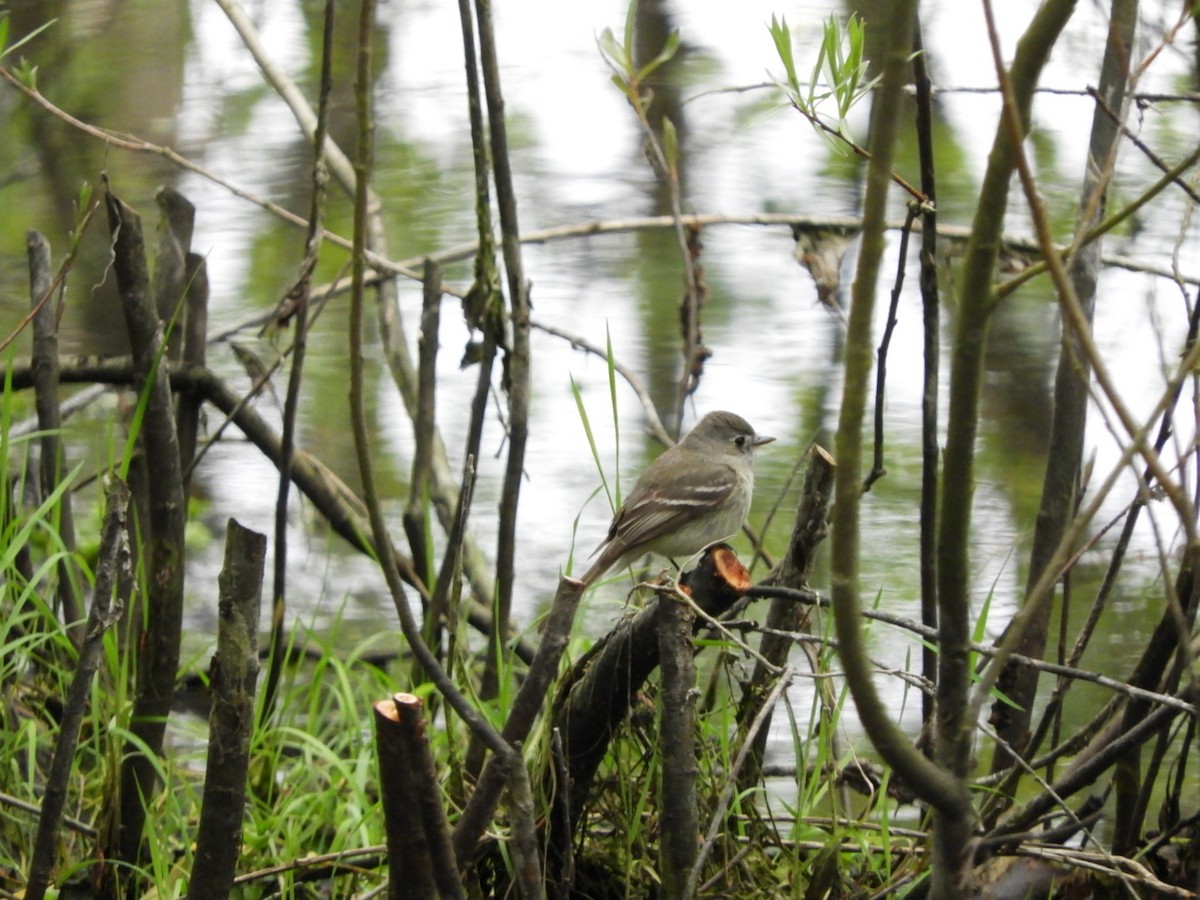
[(740, 440)]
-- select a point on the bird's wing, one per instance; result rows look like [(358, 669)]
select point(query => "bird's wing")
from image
[(657, 507)]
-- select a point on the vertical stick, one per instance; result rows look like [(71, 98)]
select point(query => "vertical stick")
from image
[(931, 330), (677, 796), (786, 615), (234, 674), (45, 375), (517, 369), (113, 574), (158, 655), (420, 856), (175, 226), (195, 353), (416, 519)]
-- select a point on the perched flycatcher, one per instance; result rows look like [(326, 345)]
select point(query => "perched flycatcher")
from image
[(695, 494)]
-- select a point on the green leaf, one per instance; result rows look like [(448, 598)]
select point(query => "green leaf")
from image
[(815, 79), (83, 202), (782, 37), (5, 50), (670, 46), (630, 21), (27, 74), (610, 48), (670, 144), (996, 694), (624, 86), (852, 65)]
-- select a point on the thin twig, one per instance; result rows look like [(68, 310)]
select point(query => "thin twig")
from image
[(858, 150), (296, 307), (375, 852), (877, 467), (75, 825), (654, 423), (517, 380), (930, 634), (137, 145), (454, 697), (1158, 162), (931, 340), (731, 779)]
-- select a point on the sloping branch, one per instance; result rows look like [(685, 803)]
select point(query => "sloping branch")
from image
[(341, 508), (1058, 503)]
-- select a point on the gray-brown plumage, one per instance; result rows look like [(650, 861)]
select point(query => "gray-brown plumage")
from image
[(696, 493)]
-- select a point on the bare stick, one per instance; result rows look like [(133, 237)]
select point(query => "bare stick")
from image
[(677, 793), (176, 224), (420, 856), (52, 464), (631, 378), (158, 658), (195, 353), (877, 467), (526, 859), (931, 338), (415, 519), (295, 307), (234, 673), (113, 577)]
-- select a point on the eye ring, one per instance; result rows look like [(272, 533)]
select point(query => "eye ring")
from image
[(740, 440)]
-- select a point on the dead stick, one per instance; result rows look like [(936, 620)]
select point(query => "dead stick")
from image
[(113, 574), (234, 674), (420, 856)]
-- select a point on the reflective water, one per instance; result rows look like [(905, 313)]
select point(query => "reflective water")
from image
[(177, 74)]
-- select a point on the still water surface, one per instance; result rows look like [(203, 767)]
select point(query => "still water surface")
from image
[(577, 159)]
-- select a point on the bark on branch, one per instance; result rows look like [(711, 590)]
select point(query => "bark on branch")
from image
[(114, 577), (596, 695), (158, 658), (234, 675), (420, 855), (336, 502)]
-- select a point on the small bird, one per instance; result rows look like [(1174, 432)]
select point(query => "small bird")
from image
[(695, 494)]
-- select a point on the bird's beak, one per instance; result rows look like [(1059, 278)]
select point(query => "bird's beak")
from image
[(760, 439)]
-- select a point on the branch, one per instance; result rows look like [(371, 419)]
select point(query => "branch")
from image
[(517, 378), (295, 307), (231, 720), (114, 576), (877, 467), (362, 440), (654, 423), (158, 656), (927, 633), (939, 787)]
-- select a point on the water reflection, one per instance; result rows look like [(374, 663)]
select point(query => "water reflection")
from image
[(578, 155)]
